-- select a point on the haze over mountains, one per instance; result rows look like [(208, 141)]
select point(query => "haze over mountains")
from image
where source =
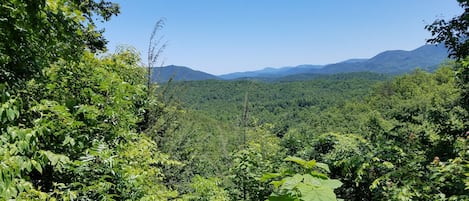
[(426, 57)]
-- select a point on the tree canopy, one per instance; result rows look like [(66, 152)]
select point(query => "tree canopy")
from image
[(36, 33)]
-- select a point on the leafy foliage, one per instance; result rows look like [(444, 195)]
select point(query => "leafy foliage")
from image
[(37, 33), (311, 185), (77, 126), (206, 190), (380, 142), (80, 140)]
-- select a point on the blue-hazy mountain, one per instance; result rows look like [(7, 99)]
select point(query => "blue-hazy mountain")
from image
[(427, 57), (178, 73), (270, 72)]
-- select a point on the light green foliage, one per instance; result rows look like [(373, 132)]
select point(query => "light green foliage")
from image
[(260, 154), (140, 172), (206, 190), (417, 119), (310, 184), (245, 172)]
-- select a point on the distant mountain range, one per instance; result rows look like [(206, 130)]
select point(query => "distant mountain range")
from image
[(272, 72), (427, 57)]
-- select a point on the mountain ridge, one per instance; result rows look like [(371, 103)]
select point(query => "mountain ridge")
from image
[(178, 73), (426, 57)]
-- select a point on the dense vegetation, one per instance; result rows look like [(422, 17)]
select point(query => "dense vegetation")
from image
[(385, 139), (81, 124), (71, 121)]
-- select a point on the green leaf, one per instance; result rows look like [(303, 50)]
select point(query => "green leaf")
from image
[(10, 114), (55, 159), (323, 166), (281, 198), (388, 165), (296, 160), (316, 194), (268, 176), (319, 175), (332, 183), (291, 182), (37, 166), (310, 180), (69, 140), (310, 164), (376, 183)]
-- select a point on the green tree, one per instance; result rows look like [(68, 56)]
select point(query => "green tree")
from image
[(82, 141), (204, 189), (36, 33)]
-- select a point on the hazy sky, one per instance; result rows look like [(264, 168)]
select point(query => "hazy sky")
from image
[(223, 36)]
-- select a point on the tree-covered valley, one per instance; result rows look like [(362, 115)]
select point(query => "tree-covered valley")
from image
[(379, 135), (78, 122)]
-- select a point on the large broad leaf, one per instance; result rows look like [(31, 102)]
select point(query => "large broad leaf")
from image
[(331, 183), (311, 180), (311, 193), (291, 182), (315, 181)]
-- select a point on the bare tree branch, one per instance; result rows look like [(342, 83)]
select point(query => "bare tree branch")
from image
[(156, 46)]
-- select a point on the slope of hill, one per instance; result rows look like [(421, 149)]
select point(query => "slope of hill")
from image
[(178, 73)]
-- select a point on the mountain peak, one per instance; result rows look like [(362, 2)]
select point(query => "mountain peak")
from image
[(178, 73)]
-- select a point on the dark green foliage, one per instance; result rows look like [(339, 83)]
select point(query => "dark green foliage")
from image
[(288, 103)]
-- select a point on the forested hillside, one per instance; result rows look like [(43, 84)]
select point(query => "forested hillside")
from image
[(79, 123), (385, 138)]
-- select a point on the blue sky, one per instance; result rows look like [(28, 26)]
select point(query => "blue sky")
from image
[(223, 36)]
